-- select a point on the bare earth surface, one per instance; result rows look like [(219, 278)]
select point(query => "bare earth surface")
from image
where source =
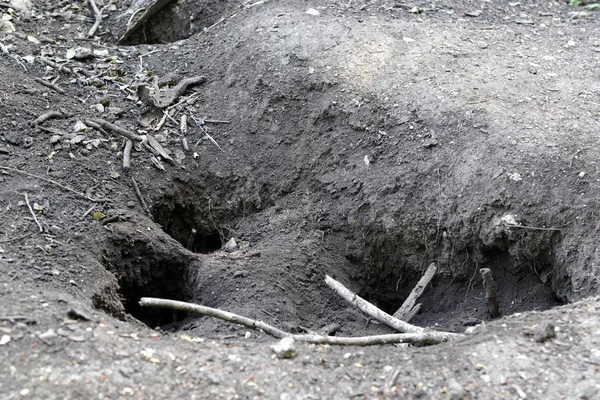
[(363, 140)]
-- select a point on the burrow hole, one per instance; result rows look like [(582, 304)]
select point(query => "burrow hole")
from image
[(454, 302), (190, 227)]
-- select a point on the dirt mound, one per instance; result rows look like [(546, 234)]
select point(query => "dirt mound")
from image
[(363, 141)]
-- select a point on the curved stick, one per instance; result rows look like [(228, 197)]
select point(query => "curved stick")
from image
[(422, 337)]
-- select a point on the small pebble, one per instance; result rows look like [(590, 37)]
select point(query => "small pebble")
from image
[(285, 348)]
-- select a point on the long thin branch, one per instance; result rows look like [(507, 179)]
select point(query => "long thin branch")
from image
[(46, 116), (406, 309), (381, 315), (97, 16), (422, 337), (55, 183), (49, 85), (33, 213), (370, 309), (140, 197), (116, 128)]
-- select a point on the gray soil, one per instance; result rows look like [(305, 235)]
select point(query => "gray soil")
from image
[(365, 143)]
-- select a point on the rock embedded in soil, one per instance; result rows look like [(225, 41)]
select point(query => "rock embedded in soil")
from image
[(285, 348)]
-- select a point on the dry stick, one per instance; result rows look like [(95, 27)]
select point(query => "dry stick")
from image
[(183, 100), (491, 291), (191, 239), (127, 154), (183, 127), (55, 183), (89, 210), (46, 116), (33, 213), (169, 96), (576, 154), (535, 228), (15, 239), (56, 66), (422, 337), (18, 61), (139, 196), (211, 139), (411, 314), (50, 85), (156, 148), (215, 24), (370, 309), (115, 128), (409, 303), (97, 15), (96, 126), (215, 121)]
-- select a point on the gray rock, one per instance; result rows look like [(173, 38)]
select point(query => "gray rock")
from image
[(285, 348), (544, 331)]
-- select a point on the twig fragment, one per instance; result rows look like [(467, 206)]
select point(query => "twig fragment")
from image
[(491, 291), (422, 337), (97, 16), (164, 98), (215, 24), (127, 154), (215, 121), (55, 183), (56, 66), (49, 85), (15, 239), (140, 197), (115, 128), (409, 304), (33, 213), (89, 210), (576, 154), (46, 116), (156, 148), (211, 139), (534, 228), (191, 239), (183, 127)]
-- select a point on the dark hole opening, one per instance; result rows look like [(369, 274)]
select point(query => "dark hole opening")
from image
[(454, 302), (153, 317), (205, 243), (152, 277)]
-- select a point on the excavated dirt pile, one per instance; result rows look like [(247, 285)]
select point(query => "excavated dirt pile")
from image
[(364, 141)]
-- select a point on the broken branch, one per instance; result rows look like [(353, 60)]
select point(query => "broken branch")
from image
[(191, 240), (115, 128), (422, 337), (370, 309), (46, 116), (55, 183), (140, 197), (491, 291), (49, 85), (97, 16), (33, 213), (409, 304), (127, 154), (381, 315), (164, 98), (56, 66)]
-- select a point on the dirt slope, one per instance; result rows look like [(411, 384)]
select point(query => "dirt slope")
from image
[(364, 142)]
